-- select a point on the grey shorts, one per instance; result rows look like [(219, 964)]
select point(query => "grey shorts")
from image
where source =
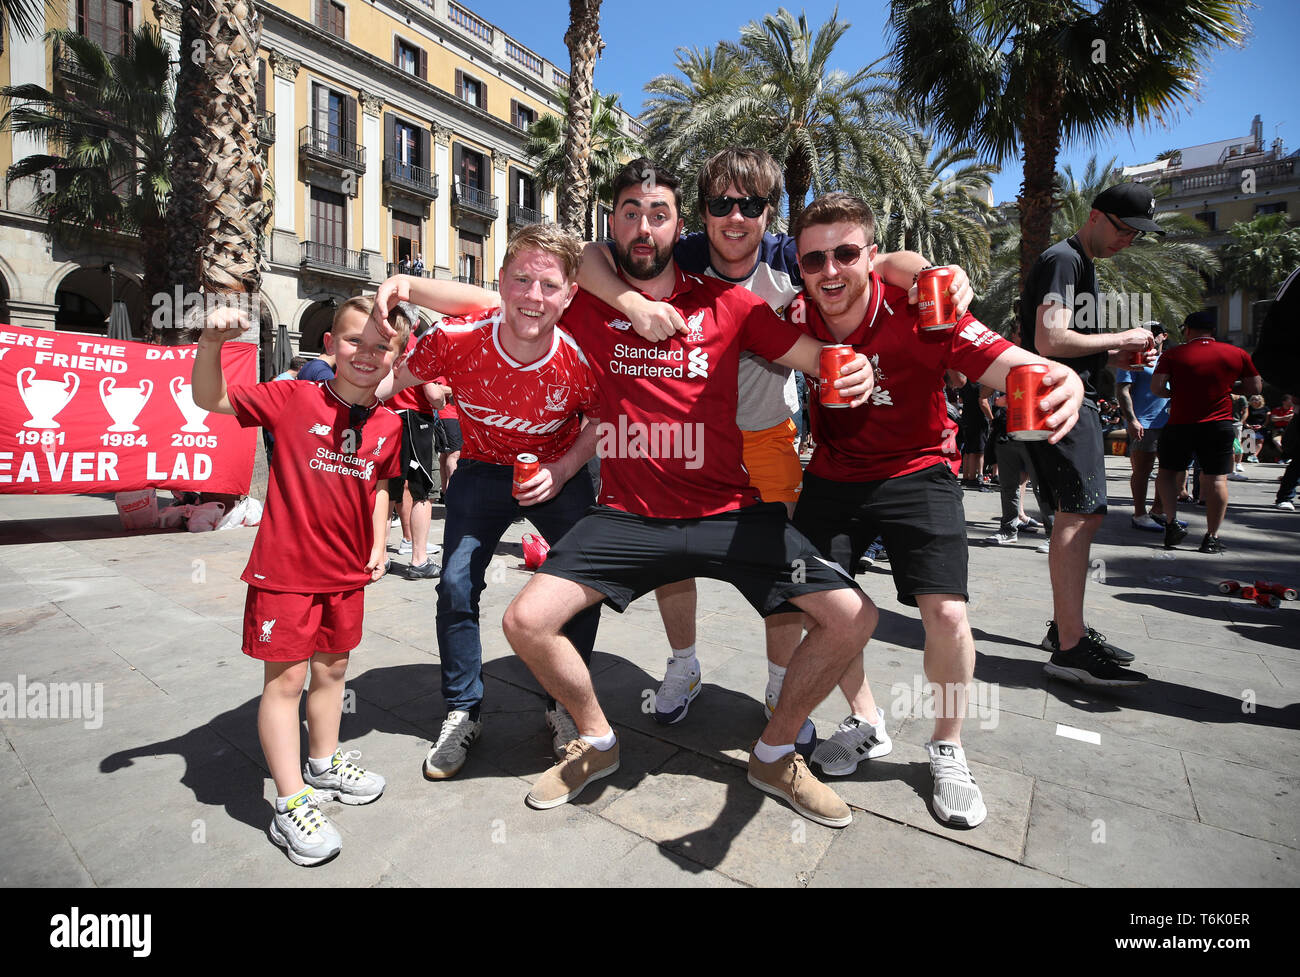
[(1148, 442)]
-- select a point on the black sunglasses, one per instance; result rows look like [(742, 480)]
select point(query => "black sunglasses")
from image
[(749, 206), (814, 261), (1124, 229)]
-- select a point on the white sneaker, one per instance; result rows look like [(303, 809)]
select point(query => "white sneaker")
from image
[(1239, 476), (1286, 506), (1239, 470), (451, 750), (681, 684), (1044, 547), (344, 781), (563, 729), (852, 742), (403, 547), (957, 799), (305, 834), (1002, 538)]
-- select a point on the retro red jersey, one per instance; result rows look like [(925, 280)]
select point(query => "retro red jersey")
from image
[(412, 398), (448, 411), (669, 446), (506, 407), (904, 426), (1201, 374), (318, 527)]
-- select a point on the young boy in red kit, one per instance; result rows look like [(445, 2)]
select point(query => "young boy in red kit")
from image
[(322, 539)]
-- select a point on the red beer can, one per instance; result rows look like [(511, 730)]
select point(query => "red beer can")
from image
[(1139, 359), (934, 305), (526, 466), (833, 359), (1025, 389)]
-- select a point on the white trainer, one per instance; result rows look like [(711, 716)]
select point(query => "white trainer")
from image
[(680, 686), (449, 753), (852, 742), (304, 833)]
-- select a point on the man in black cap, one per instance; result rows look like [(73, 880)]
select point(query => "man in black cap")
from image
[(1061, 318), (1201, 376)]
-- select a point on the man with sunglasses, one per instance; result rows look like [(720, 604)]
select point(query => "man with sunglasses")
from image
[(738, 194), (1060, 319), (882, 469)]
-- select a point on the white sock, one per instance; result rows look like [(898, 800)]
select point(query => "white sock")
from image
[(602, 743), (319, 766), (877, 720), (770, 754), (684, 654), (282, 803), (775, 679)]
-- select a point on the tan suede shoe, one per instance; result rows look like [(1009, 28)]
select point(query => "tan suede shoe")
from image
[(582, 764), (790, 779)]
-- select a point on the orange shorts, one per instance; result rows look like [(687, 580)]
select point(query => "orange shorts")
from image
[(773, 462), (282, 627)]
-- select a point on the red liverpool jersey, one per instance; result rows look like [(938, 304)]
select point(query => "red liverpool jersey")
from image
[(412, 398), (507, 407), (669, 446), (318, 528), (1201, 374), (903, 427)]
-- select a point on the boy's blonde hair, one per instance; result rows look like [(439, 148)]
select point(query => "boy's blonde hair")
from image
[(548, 239), (365, 304)]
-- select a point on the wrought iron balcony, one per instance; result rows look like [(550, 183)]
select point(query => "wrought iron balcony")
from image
[(521, 215), (266, 129), (327, 147), (334, 260), (413, 179), (480, 282), (474, 200), (392, 268)]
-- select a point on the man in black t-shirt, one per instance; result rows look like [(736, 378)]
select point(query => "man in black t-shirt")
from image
[(1063, 319)]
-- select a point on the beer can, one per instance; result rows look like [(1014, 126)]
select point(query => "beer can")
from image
[(1139, 360), (833, 359), (526, 466), (934, 305), (1025, 389)]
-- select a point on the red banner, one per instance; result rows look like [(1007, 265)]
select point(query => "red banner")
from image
[(81, 413)]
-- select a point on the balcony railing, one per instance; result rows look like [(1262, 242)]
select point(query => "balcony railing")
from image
[(480, 282), (517, 52), (475, 200), (1264, 173), (266, 129), (392, 268), (521, 215), (332, 259), (326, 146), (465, 20), (416, 179)]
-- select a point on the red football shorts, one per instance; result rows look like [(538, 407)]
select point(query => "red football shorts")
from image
[(280, 627)]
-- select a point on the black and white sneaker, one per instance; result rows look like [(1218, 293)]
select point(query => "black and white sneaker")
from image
[(1088, 664), (1052, 642)]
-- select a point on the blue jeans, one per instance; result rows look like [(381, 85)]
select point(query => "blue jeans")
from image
[(480, 509)]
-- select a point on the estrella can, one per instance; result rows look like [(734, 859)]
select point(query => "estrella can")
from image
[(1139, 360), (934, 306), (1025, 389), (833, 359), (526, 466)]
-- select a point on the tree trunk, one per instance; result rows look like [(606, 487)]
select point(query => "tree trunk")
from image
[(185, 205), (584, 43), (798, 177), (1041, 133)]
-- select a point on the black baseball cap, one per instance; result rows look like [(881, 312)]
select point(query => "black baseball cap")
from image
[(1202, 321), (1132, 203), (1155, 328)]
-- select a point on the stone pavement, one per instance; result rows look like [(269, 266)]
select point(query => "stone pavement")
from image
[(1189, 780)]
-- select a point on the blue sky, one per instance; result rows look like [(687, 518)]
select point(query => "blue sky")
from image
[(641, 38)]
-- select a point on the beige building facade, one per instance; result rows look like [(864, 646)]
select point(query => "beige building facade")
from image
[(393, 132)]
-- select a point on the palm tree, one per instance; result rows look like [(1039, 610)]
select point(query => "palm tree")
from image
[(107, 132), (220, 209), (827, 128), (1171, 270), (1020, 78), (1262, 252), (704, 74), (26, 16), (949, 220), (585, 45), (610, 147)]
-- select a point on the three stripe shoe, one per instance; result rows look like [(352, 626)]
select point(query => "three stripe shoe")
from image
[(680, 686), (449, 753), (852, 742), (957, 799), (344, 781), (305, 834)]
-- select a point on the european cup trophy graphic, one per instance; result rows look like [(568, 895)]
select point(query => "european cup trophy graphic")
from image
[(45, 398), (124, 403), (194, 414)]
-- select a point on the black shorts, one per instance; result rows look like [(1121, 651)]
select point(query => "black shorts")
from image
[(418, 464), (448, 439), (920, 517), (974, 438), (755, 549), (1210, 442), (1071, 474)]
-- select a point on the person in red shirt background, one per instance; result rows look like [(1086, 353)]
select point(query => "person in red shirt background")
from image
[(1200, 376), (450, 438)]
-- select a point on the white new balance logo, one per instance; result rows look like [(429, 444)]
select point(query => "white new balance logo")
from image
[(322, 429), (698, 363)]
